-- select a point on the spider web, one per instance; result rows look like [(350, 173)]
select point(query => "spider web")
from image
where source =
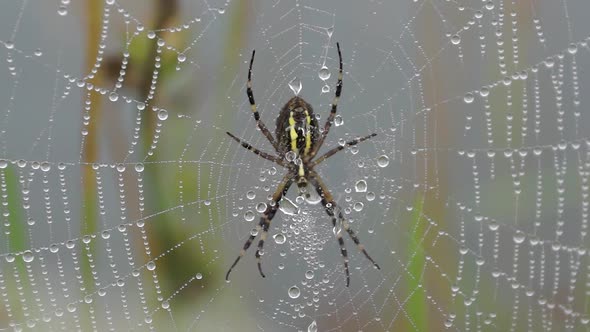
[(124, 202)]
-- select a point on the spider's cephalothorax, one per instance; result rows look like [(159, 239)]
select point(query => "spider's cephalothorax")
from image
[(298, 140)]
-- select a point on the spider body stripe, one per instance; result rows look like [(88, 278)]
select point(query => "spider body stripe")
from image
[(297, 131), (293, 132)]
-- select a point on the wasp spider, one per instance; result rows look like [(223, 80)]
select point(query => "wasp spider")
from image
[(298, 140)]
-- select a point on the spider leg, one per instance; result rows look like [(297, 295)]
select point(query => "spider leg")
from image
[(256, 151), (259, 122), (331, 206), (332, 115), (264, 223), (333, 151)]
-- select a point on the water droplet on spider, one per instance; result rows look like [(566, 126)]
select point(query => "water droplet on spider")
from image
[(360, 186), (326, 89), (279, 238), (294, 292), (324, 73), (28, 256), (295, 86), (288, 207), (338, 121), (383, 161), (290, 156), (151, 265), (455, 39), (313, 327), (249, 215), (162, 115), (468, 98)]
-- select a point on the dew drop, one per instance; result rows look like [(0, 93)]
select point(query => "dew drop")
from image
[(338, 121), (181, 58), (383, 161), (313, 327), (455, 39), (294, 292), (28, 256), (295, 85), (113, 96), (360, 186), (62, 10), (288, 207), (468, 98), (309, 274), (261, 207), (139, 167), (162, 115), (324, 73), (249, 215), (279, 238), (151, 265), (251, 194)]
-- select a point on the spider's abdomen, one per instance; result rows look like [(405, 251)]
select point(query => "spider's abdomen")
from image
[(296, 127)]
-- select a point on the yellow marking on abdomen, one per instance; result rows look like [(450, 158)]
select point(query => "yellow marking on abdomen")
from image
[(307, 134), (301, 170), (293, 132)]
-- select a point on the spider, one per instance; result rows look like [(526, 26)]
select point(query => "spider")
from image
[(298, 140)]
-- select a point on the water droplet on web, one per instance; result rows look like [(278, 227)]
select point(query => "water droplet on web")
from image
[(105, 235), (294, 292), (358, 206), (139, 167), (468, 98), (383, 161), (312, 197), (360, 186), (3, 163), (151, 265), (279, 238), (295, 86), (518, 237), (338, 121), (484, 92), (249, 215), (455, 39), (62, 10), (251, 194), (288, 207), (28, 256), (326, 89), (38, 52), (324, 73), (181, 57), (261, 207), (313, 327), (309, 274), (370, 196), (162, 115), (113, 96), (9, 45)]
